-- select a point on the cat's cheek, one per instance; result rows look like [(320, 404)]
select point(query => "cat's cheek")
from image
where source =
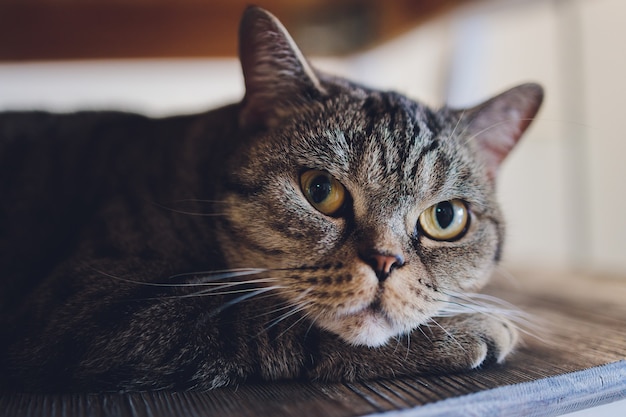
[(408, 302), (480, 277)]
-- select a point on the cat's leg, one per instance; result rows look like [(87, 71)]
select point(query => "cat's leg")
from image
[(450, 344)]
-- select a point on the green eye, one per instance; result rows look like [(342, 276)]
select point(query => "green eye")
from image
[(323, 191), (446, 220)]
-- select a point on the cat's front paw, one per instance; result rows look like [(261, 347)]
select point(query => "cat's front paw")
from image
[(476, 340)]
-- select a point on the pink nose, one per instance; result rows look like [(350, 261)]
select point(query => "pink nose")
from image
[(383, 263)]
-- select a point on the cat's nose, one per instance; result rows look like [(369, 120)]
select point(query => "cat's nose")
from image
[(383, 263)]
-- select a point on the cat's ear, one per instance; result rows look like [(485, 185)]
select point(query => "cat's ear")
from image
[(277, 75), (497, 124)]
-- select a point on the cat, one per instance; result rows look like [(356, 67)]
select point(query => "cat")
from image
[(318, 229)]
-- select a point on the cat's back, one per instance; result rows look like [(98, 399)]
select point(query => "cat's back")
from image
[(52, 162), (66, 177)]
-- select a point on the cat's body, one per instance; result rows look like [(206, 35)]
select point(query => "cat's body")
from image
[(281, 237)]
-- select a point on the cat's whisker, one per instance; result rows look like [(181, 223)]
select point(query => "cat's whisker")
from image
[(398, 339), (186, 212), (285, 304), (423, 332), (472, 303), (213, 276), (198, 200), (221, 289), (494, 125), (458, 122), (450, 335), (313, 321), (299, 320), (210, 292), (479, 297), (294, 309), (205, 276), (508, 275), (487, 304), (242, 298), (408, 345)]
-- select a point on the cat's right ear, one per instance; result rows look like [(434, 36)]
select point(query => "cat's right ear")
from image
[(277, 76), (497, 124)]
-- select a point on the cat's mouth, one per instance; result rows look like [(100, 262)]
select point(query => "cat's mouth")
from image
[(374, 322), (370, 326)]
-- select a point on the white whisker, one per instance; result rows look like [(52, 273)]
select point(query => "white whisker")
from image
[(198, 200), (241, 299), (494, 125), (189, 213), (450, 335), (213, 276), (295, 308), (472, 303), (220, 274), (458, 122), (510, 278), (220, 290)]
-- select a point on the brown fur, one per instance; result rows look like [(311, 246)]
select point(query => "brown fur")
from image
[(182, 253)]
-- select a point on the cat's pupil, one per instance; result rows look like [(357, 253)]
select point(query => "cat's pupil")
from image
[(320, 189), (445, 214)]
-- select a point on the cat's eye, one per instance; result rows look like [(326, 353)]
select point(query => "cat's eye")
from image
[(323, 191), (447, 220)]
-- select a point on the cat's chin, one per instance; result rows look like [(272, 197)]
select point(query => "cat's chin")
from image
[(365, 328)]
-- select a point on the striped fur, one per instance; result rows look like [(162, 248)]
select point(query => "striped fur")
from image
[(182, 253)]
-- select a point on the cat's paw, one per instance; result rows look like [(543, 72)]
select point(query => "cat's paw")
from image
[(478, 340)]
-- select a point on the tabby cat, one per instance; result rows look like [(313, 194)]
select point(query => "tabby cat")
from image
[(318, 229)]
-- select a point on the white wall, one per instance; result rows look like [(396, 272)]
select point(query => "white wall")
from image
[(155, 87), (562, 188), (604, 29)]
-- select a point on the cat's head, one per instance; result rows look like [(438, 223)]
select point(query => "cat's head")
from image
[(368, 209)]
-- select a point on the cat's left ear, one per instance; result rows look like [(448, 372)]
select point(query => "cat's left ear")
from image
[(277, 76), (497, 124)]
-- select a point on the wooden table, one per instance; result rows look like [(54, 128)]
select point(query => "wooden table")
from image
[(581, 322)]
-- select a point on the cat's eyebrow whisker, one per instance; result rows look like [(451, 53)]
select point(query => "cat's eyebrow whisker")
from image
[(503, 122), (458, 122)]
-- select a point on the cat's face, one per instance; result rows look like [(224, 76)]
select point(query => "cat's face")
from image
[(368, 210)]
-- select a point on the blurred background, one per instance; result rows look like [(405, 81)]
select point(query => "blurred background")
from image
[(562, 189)]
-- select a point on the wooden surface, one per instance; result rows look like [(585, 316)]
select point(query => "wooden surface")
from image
[(581, 321), (97, 29)]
